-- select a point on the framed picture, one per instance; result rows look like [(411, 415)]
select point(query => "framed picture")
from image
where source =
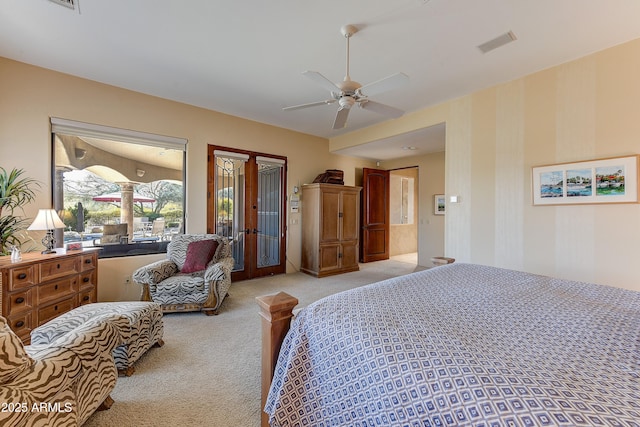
[(613, 180), (438, 204)]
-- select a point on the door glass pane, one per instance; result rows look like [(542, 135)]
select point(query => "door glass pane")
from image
[(229, 185), (269, 213)]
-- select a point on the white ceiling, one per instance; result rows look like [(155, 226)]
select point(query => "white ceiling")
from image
[(246, 58)]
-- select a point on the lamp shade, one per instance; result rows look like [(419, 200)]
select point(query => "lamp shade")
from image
[(47, 219)]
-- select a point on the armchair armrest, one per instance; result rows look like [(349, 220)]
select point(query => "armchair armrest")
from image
[(217, 280), (155, 273), (218, 270), (55, 366)]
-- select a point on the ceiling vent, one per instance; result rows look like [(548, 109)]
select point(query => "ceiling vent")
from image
[(71, 4), (497, 42)]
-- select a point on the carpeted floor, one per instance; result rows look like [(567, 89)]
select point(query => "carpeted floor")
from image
[(208, 371)]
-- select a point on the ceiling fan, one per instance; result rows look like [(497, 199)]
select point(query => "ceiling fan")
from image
[(349, 92)]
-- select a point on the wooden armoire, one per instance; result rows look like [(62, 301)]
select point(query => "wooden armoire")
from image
[(330, 229)]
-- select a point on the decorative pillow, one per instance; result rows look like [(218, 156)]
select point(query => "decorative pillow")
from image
[(199, 253), (13, 358)]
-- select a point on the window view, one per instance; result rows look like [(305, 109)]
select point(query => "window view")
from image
[(123, 194)]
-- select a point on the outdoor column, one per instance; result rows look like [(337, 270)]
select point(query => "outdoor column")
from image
[(58, 204), (126, 207)]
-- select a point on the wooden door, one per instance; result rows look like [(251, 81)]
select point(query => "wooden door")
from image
[(246, 204), (374, 241)]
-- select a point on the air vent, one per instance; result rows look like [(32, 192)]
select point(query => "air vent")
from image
[(497, 42), (71, 4)]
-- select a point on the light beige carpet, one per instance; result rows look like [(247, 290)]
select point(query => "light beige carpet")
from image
[(208, 371)]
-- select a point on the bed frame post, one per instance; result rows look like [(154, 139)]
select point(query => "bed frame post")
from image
[(276, 312)]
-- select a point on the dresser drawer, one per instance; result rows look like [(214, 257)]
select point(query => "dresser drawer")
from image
[(22, 277), (54, 310), (20, 301), (57, 289), (87, 279), (88, 262), (59, 268), (22, 324), (88, 296)]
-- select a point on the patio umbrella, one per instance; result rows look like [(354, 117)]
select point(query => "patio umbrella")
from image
[(117, 197), (80, 218)]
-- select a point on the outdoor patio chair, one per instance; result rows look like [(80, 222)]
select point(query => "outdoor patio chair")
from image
[(113, 233)]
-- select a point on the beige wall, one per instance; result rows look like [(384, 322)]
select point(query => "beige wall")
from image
[(582, 110), (29, 96)]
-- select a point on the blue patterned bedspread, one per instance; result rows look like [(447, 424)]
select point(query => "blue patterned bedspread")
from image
[(463, 345)]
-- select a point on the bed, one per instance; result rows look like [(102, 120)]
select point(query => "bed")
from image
[(461, 345)]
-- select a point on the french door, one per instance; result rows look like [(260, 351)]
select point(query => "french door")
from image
[(246, 204)]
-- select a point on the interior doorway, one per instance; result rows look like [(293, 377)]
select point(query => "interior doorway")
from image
[(246, 204), (403, 212)]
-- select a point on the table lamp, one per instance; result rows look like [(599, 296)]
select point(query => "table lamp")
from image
[(47, 219)]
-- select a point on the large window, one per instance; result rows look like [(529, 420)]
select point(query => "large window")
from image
[(118, 189)]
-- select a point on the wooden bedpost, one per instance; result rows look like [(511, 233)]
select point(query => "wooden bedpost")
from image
[(276, 312)]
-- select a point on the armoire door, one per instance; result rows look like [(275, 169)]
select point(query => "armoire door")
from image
[(246, 204)]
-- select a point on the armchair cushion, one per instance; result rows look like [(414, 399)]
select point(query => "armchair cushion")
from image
[(199, 253), (13, 357), (181, 284)]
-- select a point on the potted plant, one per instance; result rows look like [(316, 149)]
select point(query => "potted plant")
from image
[(15, 192)]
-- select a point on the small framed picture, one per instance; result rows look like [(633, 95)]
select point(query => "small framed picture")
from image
[(438, 204), (74, 246)]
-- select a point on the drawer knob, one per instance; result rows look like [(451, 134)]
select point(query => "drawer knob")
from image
[(19, 324), (85, 279), (85, 298), (55, 308), (58, 265), (87, 261), (19, 300), (55, 287), (22, 276)]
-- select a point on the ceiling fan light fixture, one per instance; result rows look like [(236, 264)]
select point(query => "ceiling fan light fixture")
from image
[(346, 102)]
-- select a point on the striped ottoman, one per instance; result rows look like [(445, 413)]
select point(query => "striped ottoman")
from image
[(139, 323)]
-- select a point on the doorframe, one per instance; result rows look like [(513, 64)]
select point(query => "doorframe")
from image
[(416, 203), (251, 270)]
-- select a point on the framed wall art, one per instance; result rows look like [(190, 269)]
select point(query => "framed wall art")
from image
[(438, 204), (612, 180)]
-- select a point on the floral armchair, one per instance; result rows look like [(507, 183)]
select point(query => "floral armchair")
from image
[(196, 275)]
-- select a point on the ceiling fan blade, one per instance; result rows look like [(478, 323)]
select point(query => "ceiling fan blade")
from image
[(341, 118), (383, 109), (311, 104), (384, 84), (322, 81)]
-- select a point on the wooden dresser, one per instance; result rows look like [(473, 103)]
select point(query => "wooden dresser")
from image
[(330, 229), (41, 287)]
